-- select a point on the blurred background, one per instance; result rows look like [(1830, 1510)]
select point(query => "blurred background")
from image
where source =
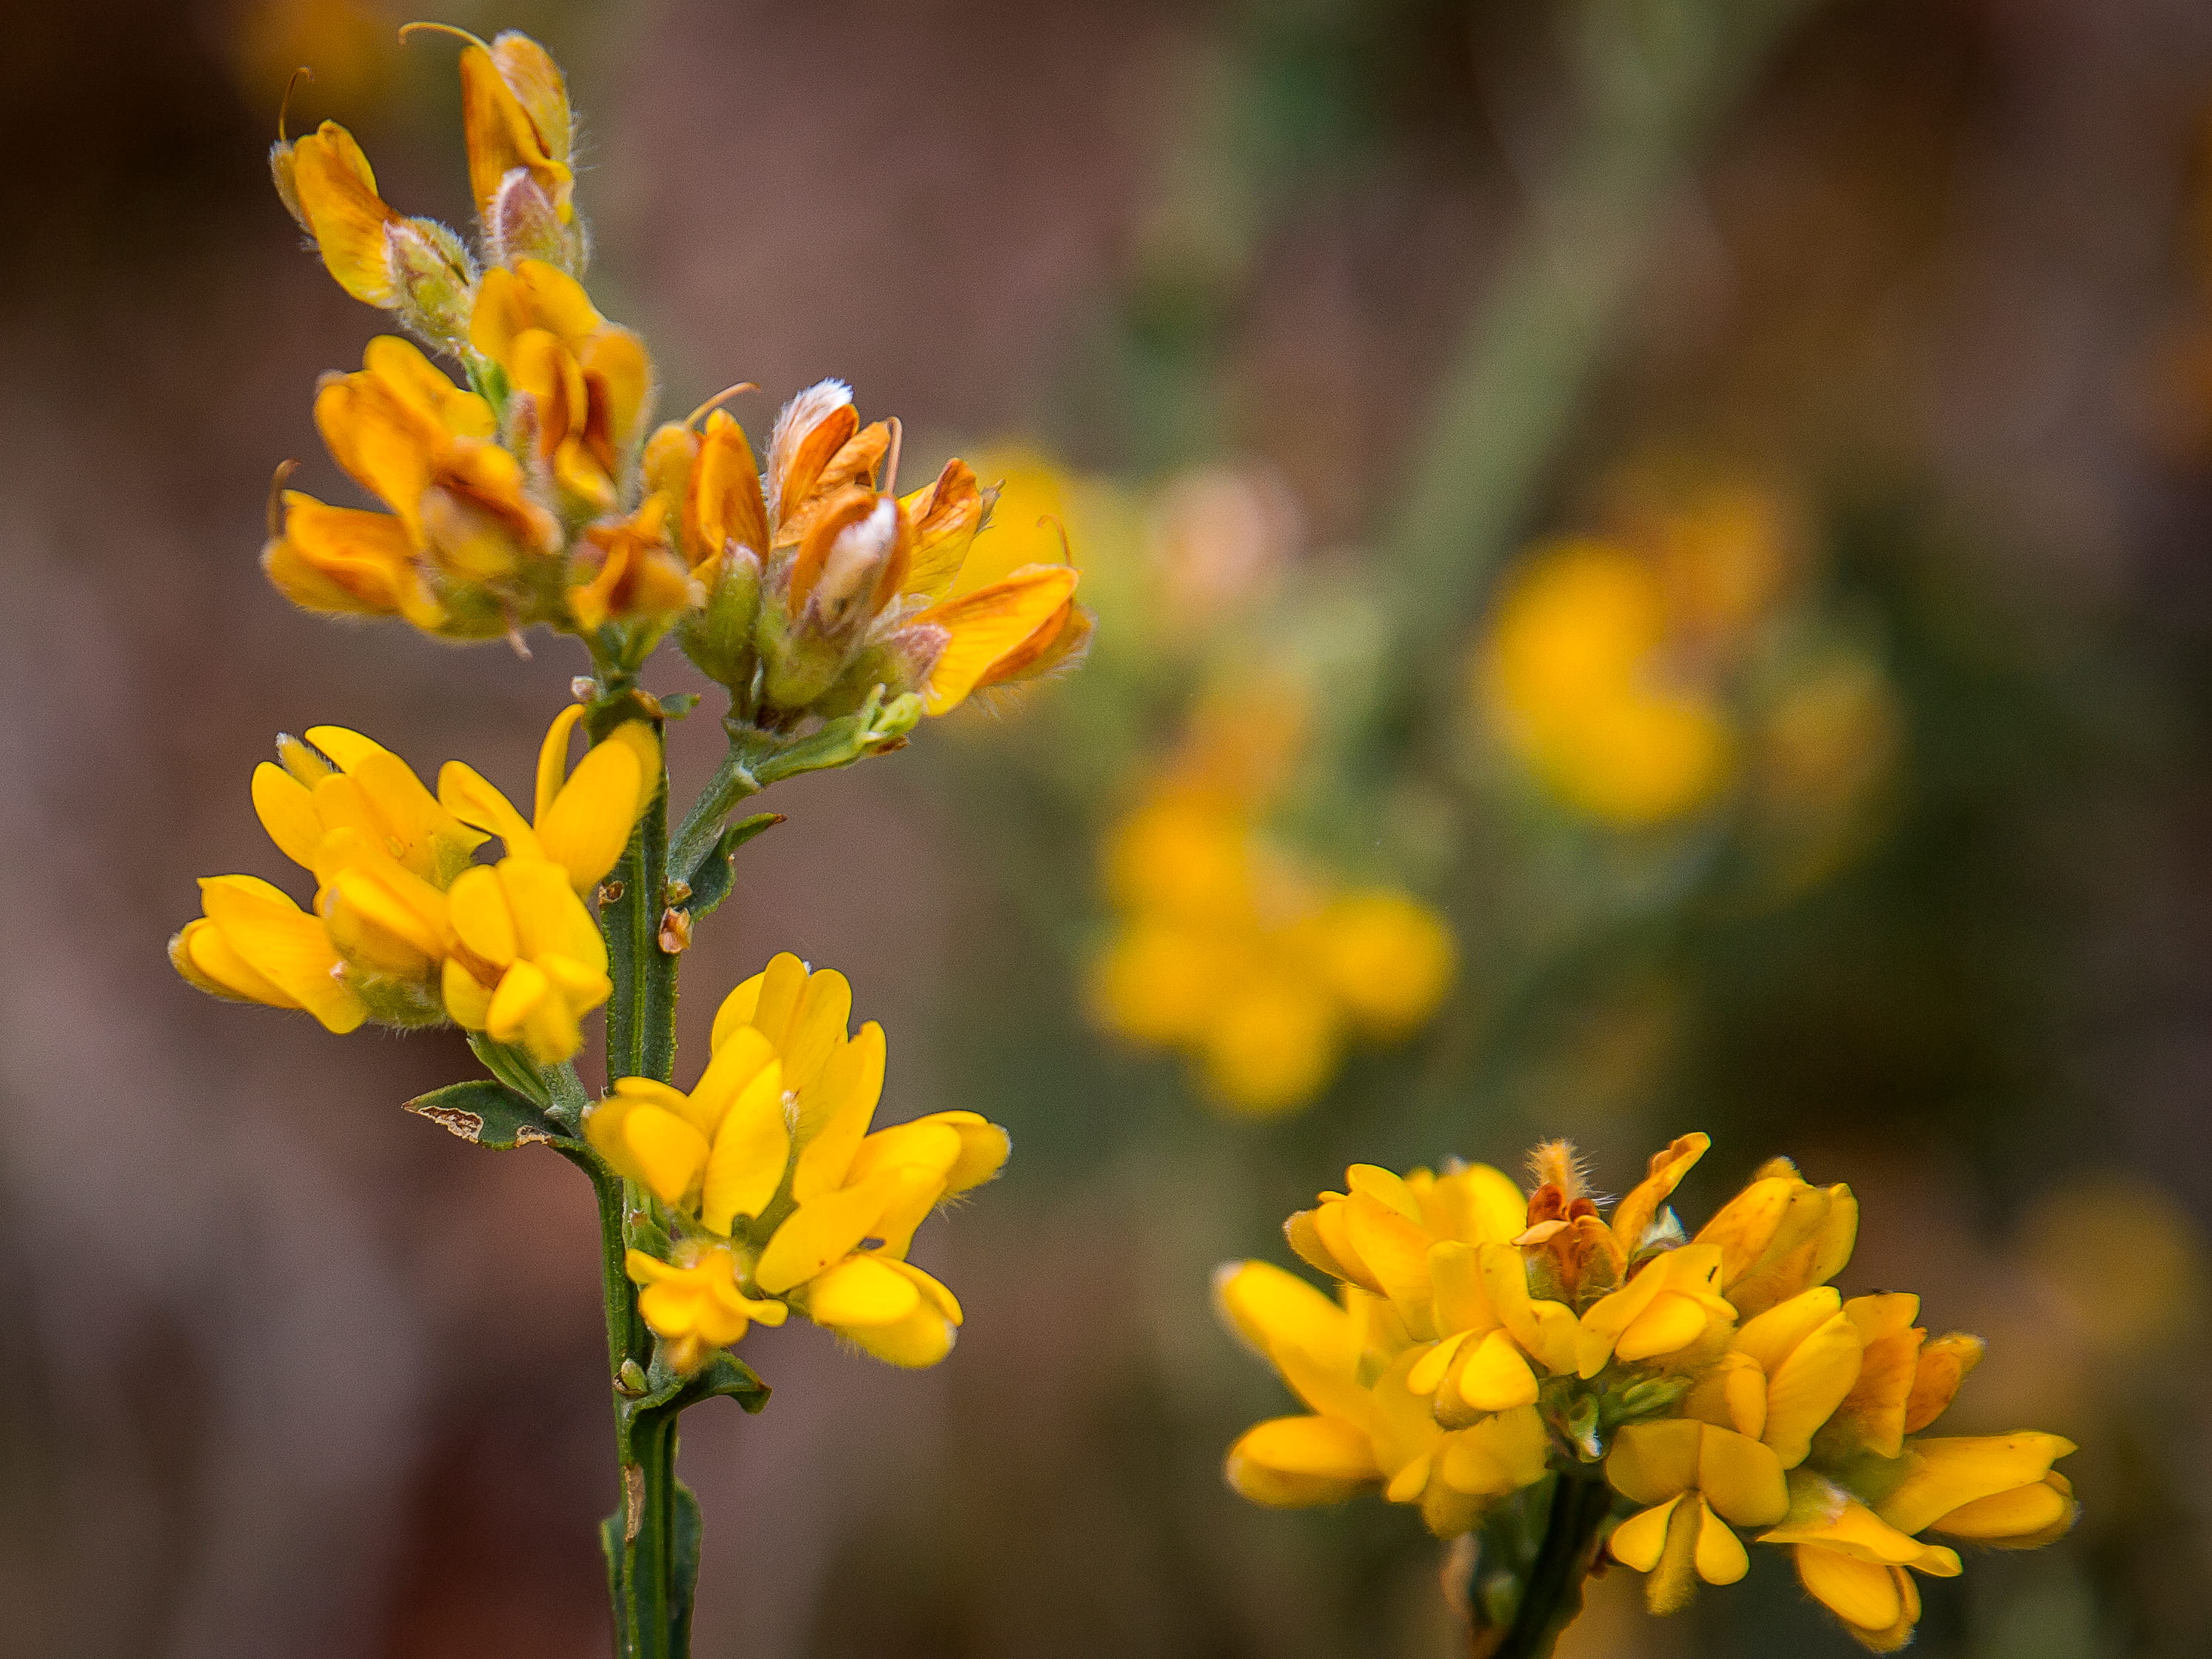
[(1650, 565)]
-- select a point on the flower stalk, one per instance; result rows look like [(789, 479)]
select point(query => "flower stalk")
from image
[(1575, 1509), (834, 612)]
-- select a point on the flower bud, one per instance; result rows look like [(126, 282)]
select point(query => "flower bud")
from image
[(520, 223), (719, 637), (848, 566), (433, 280)]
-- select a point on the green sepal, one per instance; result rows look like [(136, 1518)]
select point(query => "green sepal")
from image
[(488, 1114), (677, 704), (724, 1374), (710, 882)]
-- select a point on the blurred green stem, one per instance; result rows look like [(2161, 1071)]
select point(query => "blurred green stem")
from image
[(1552, 1595), (1654, 76)]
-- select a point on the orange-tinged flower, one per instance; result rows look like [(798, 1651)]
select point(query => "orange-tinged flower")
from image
[(835, 585), (630, 573), (465, 552), (579, 385), (416, 267)]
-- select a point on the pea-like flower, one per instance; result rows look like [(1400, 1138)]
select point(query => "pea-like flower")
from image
[(532, 496), (1717, 1385), (465, 551), (774, 1186), (406, 929), (823, 584)]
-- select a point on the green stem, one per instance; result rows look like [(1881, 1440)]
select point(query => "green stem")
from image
[(734, 782), (647, 1584), (1552, 1595)]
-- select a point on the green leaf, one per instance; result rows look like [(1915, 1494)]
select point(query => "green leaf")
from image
[(876, 727), (677, 704), (710, 883), (488, 1114)]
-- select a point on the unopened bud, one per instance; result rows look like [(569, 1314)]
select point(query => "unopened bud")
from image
[(848, 564), (899, 662), (522, 223), (1654, 1393), (852, 567), (802, 662), (718, 636), (433, 280)]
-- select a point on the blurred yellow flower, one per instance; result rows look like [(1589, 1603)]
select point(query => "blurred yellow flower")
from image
[(1574, 678), (778, 1193), (1483, 1342), (1227, 947)]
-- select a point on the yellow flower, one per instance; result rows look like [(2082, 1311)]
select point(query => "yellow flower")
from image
[(837, 586), (1536, 1339), (768, 1159), (1238, 954), (416, 267), (1854, 1563), (580, 820), (382, 850), (1781, 1236), (1367, 1426), (697, 1309), (578, 385), (526, 961), (1696, 1481), (405, 929), (1573, 676), (464, 551)]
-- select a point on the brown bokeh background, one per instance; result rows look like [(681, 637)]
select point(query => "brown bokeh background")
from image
[(287, 1372)]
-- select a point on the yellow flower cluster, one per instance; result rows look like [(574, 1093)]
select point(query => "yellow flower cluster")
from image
[(1602, 668), (406, 928), (1483, 1342), (777, 1194), (1229, 949), (534, 494)]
